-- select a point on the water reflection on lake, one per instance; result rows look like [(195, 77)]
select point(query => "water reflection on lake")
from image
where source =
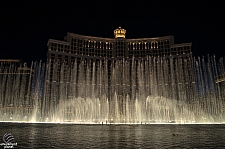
[(114, 136)]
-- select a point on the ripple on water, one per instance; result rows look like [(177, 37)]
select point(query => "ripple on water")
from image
[(115, 136)]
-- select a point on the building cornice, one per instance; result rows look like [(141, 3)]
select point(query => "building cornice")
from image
[(150, 39), (181, 45), (89, 37), (10, 60), (58, 42), (113, 39)]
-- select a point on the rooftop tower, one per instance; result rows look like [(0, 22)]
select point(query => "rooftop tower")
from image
[(120, 32)]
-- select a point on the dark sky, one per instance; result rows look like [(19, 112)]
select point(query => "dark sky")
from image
[(25, 27)]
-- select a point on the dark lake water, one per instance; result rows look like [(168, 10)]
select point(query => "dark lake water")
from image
[(113, 136)]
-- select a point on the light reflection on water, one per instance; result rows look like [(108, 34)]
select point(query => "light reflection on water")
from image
[(115, 136)]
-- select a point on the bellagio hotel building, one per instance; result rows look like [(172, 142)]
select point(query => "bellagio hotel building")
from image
[(90, 48)]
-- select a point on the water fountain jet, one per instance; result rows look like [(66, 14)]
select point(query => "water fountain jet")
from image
[(154, 90)]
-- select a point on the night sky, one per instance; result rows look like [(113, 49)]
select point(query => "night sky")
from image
[(25, 27)]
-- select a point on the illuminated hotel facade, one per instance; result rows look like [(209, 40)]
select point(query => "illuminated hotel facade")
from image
[(114, 48), (95, 52), (96, 48)]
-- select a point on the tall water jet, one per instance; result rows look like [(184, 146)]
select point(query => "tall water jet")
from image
[(154, 90)]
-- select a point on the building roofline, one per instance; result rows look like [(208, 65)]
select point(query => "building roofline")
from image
[(112, 39), (155, 38), (181, 45), (10, 60), (89, 37), (58, 41)]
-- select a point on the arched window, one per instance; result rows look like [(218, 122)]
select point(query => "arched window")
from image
[(154, 44)]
